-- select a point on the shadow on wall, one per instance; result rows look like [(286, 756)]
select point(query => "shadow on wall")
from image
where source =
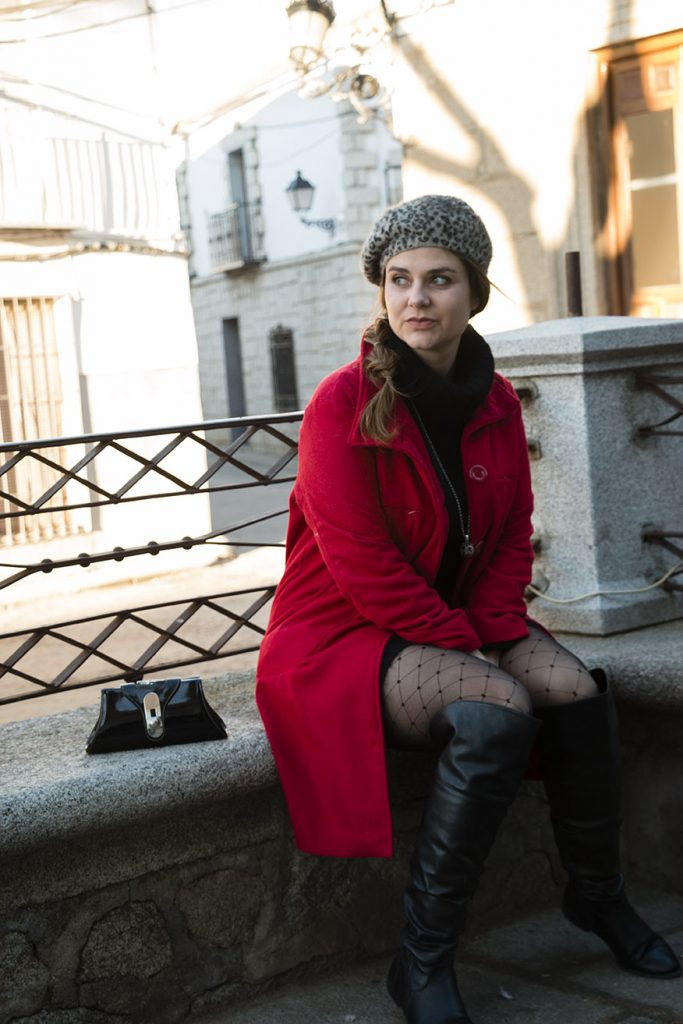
[(517, 211)]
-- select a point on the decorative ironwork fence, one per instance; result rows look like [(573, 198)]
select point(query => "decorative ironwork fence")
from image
[(96, 649), (74, 471)]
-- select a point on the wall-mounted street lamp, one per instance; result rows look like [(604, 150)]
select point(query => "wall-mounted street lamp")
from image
[(300, 194)]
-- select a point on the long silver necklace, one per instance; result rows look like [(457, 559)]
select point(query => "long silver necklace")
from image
[(467, 548)]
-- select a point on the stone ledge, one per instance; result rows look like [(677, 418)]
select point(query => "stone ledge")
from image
[(52, 789), (645, 665), (152, 885), (586, 344)]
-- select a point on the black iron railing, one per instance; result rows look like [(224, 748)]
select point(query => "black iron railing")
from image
[(234, 237), (657, 383), (127, 643), (660, 384), (75, 479), (673, 542)]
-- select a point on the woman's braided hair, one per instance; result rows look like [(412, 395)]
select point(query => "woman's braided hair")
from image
[(380, 363), (379, 366)]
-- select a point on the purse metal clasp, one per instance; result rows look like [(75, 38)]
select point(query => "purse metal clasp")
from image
[(153, 720)]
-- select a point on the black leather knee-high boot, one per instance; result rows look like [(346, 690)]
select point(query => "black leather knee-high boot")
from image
[(484, 752), (579, 745)]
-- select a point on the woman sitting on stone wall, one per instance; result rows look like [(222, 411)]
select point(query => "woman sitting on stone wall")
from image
[(400, 619)]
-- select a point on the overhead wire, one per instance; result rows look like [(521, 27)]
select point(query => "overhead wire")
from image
[(104, 24), (298, 152), (305, 124), (132, 247), (60, 9), (12, 79), (54, 7)]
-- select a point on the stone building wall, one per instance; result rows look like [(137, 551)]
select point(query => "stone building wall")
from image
[(322, 298)]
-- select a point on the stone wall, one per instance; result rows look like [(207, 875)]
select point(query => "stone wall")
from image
[(222, 906), (114, 912), (160, 885)]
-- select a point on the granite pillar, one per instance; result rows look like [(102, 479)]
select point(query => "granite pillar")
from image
[(601, 484)]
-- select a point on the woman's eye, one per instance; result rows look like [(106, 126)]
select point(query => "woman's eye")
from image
[(399, 279), (440, 279)]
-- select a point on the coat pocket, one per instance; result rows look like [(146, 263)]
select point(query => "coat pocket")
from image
[(410, 526)]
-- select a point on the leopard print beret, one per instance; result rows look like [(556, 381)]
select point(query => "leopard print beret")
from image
[(443, 221)]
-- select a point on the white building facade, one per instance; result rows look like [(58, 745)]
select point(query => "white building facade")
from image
[(96, 327), (277, 303)]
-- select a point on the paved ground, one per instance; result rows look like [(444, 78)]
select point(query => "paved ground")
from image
[(539, 971)]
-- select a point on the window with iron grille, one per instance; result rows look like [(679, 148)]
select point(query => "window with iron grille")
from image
[(30, 407), (284, 369)]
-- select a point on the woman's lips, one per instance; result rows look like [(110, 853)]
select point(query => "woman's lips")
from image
[(421, 323)]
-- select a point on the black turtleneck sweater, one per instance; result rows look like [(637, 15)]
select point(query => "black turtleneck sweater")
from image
[(444, 405)]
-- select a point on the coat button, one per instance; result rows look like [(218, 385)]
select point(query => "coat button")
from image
[(478, 473)]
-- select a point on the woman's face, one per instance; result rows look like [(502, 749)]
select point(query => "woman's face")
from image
[(429, 303)]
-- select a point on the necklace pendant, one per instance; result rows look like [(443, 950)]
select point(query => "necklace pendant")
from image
[(467, 548)]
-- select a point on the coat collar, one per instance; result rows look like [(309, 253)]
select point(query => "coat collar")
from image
[(497, 405)]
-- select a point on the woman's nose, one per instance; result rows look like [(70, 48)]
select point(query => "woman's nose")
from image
[(418, 296)]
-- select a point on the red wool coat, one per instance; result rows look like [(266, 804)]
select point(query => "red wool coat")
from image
[(367, 529)]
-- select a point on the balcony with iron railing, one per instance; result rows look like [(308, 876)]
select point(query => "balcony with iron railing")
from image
[(235, 238)]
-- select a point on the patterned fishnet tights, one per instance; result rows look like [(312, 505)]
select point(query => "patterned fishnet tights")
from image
[(535, 672)]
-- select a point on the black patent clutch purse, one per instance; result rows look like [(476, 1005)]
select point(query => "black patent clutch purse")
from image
[(154, 714)]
